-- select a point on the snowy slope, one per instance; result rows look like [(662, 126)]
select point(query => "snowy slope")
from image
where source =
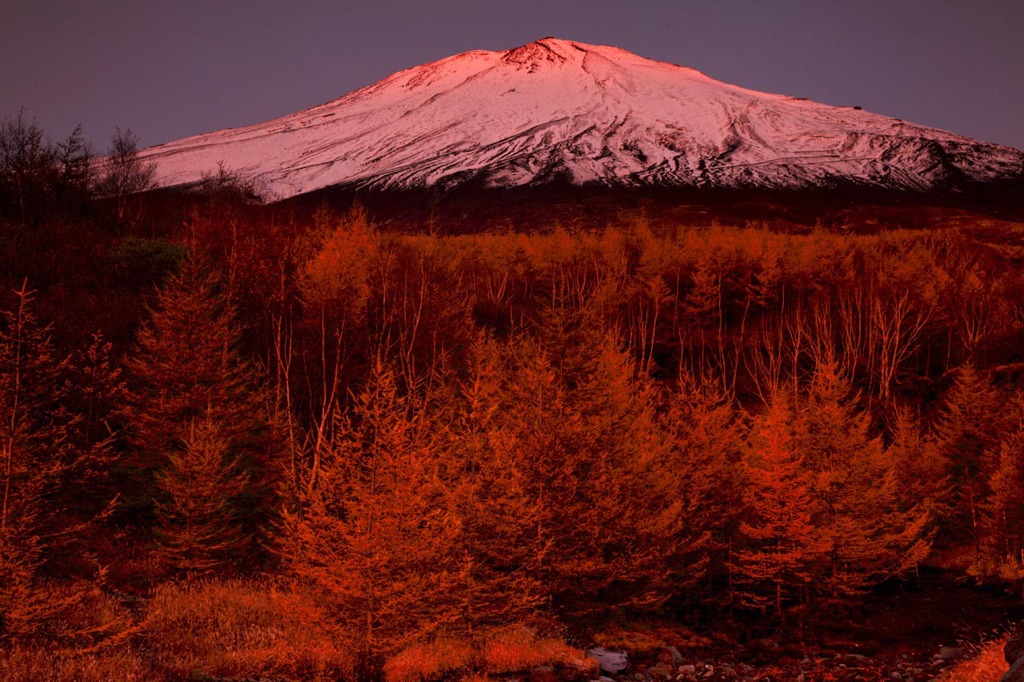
[(557, 109)]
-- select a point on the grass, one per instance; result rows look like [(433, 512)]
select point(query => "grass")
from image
[(240, 628), (647, 638), (37, 664), (512, 649), (247, 629), (432, 660), (985, 663)]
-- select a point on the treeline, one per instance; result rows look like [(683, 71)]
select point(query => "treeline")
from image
[(432, 438)]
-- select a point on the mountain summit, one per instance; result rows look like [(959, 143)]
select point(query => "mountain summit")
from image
[(559, 110)]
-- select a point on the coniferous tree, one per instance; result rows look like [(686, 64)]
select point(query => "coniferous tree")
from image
[(187, 368), (705, 449), (781, 545), (971, 418), (498, 581), (921, 469), (374, 536), (1003, 541), (597, 466), (28, 387), (45, 459), (74, 167), (869, 536), (644, 511), (198, 529)]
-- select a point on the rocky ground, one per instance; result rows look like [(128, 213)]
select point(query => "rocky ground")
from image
[(671, 664), (910, 633)]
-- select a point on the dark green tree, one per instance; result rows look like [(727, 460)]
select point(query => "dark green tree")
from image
[(187, 368), (971, 418), (198, 524), (48, 464)]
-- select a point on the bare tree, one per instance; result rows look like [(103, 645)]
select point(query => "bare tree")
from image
[(25, 162), (74, 163), (125, 174)]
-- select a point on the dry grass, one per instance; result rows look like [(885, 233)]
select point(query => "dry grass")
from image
[(252, 629), (506, 650), (648, 637), (77, 633), (86, 616), (432, 660), (241, 629), (36, 664), (519, 648), (985, 664), (1009, 572)]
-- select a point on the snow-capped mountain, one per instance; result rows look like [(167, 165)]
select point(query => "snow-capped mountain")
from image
[(558, 109)]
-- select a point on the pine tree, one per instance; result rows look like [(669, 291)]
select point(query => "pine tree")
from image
[(782, 548), (583, 427), (868, 534), (46, 460), (198, 529), (187, 368), (705, 449), (498, 581), (971, 417), (1003, 542), (375, 536)]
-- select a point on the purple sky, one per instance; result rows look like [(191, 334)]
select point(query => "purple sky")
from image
[(177, 68)]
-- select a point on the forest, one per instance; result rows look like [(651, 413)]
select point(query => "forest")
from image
[(246, 441)]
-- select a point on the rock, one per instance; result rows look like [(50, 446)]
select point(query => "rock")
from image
[(661, 671), (688, 672), (947, 653), (670, 656), (1015, 673), (610, 661), (895, 676), (1014, 648)]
